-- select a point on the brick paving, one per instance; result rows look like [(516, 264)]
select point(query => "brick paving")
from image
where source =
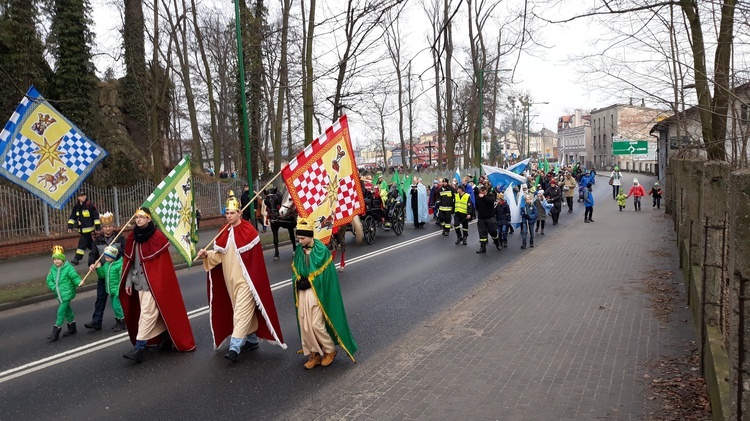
[(561, 334)]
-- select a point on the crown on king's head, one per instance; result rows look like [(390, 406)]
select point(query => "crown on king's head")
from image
[(107, 218), (144, 212), (58, 250), (232, 202), (305, 227)]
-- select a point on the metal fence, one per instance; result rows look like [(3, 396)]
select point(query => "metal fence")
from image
[(24, 215)]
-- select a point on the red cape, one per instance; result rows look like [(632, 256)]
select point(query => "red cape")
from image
[(162, 280), (247, 241)]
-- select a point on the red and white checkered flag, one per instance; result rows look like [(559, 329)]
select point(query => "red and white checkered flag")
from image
[(326, 170)]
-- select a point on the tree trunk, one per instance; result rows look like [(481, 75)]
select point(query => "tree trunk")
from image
[(283, 84), (450, 142), (197, 157), (307, 73)]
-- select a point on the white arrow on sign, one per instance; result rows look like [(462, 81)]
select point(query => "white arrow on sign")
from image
[(631, 149)]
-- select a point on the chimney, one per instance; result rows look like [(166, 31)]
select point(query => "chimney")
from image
[(643, 102), (577, 121)]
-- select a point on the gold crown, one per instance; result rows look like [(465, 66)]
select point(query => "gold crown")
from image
[(232, 202), (58, 250), (143, 212), (107, 218), (305, 227)]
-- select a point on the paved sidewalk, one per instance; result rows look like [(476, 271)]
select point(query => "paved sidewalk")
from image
[(564, 333)]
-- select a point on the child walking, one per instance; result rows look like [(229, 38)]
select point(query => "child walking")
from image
[(637, 192), (111, 272), (621, 198), (588, 201), (656, 193), (63, 280)]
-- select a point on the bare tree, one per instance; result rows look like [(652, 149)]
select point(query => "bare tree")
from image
[(393, 44)]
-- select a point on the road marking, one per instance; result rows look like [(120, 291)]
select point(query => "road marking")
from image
[(52, 360)]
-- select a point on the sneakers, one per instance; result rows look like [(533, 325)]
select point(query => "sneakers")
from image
[(249, 346), (93, 325), (313, 361), (135, 354), (231, 355), (328, 359)]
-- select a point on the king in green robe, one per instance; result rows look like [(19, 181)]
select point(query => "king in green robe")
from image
[(318, 303)]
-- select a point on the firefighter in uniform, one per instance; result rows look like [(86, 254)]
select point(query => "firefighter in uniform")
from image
[(445, 206), (486, 223), (85, 219), (463, 209)]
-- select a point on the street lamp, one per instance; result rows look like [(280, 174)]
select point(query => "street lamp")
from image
[(478, 147)]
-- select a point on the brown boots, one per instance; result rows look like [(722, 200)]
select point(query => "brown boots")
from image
[(316, 360)]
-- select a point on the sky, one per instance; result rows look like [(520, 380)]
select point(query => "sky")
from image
[(546, 75)]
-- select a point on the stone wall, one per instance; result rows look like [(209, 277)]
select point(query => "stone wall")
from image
[(710, 208)]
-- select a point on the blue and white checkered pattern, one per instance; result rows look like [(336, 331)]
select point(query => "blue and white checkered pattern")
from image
[(80, 151), (20, 160), (12, 124)]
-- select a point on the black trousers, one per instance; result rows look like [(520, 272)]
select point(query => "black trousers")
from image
[(101, 302), (445, 220), (85, 241), (487, 226), (588, 213)]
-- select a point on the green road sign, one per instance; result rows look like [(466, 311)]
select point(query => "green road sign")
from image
[(630, 147)]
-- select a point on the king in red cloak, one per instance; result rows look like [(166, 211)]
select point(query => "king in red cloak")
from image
[(149, 247), (239, 292)]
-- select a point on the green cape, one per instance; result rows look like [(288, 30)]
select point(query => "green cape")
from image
[(325, 284)]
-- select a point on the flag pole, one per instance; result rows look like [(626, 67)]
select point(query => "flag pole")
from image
[(241, 210), (102, 254)]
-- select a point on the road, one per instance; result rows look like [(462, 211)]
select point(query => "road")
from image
[(389, 288)]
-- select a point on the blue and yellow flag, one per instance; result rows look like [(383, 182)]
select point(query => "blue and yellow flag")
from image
[(172, 207), (43, 152)]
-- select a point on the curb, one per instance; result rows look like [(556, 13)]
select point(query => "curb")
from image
[(91, 286)]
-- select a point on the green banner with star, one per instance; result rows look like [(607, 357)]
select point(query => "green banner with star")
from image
[(172, 208)]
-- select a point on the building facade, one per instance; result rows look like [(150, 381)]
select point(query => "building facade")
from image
[(574, 139), (621, 123)]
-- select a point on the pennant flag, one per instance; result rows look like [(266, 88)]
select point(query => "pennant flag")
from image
[(324, 182), (172, 208), (502, 178), (476, 180), (457, 176), (546, 165), (520, 167), (396, 180), (43, 152), (406, 184), (515, 209)]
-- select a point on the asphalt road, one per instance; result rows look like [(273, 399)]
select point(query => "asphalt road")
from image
[(389, 288)]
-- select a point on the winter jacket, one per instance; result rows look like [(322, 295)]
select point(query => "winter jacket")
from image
[(656, 192), (616, 178), (111, 272), (588, 198), (486, 206), (63, 281), (101, 242), (541, 212), (571, 184), (621, 198), (637, 191), (502, 213), (84, 217), (528, 213)]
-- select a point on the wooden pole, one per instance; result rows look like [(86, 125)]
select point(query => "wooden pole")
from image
[(241, 210)]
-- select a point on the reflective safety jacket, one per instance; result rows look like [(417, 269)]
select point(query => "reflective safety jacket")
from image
[(447, 199), (84, 217), (462, 204)]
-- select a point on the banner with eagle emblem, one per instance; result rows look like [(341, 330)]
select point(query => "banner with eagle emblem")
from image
[(43, 152), (323, 181), (172, 207)]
